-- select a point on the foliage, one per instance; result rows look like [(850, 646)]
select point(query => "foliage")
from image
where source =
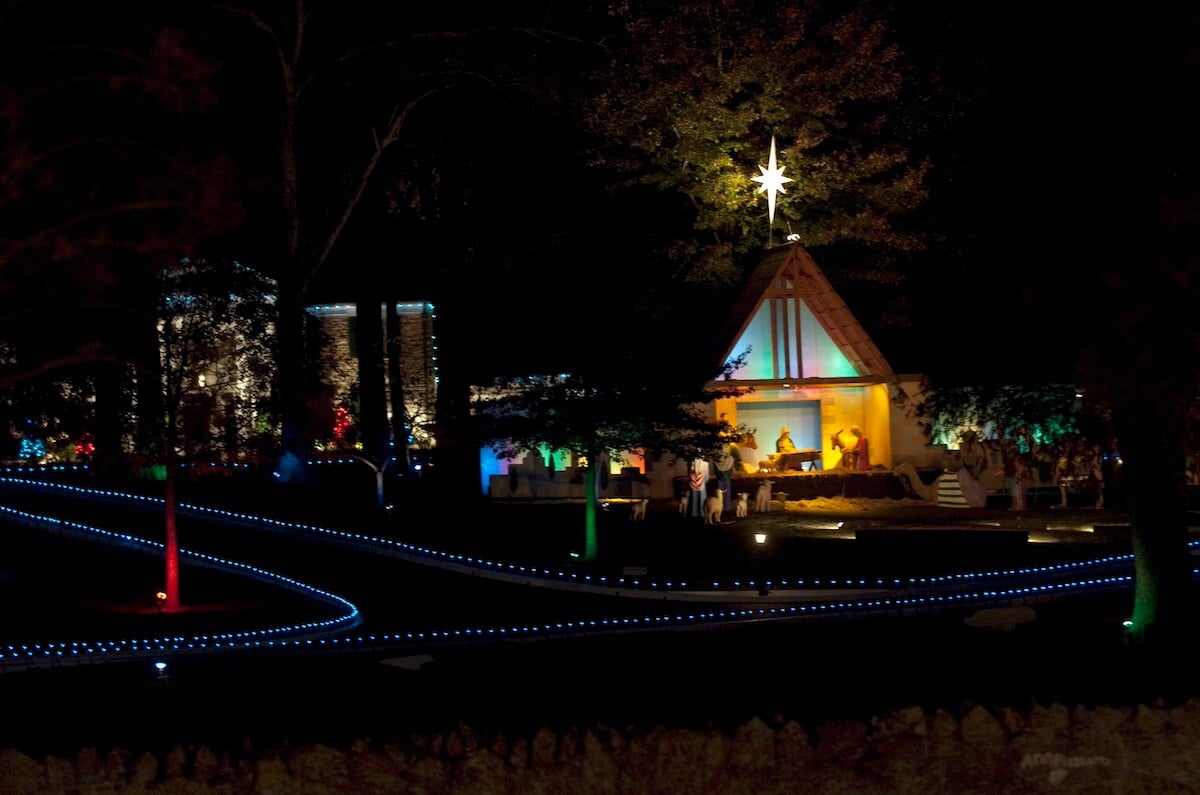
[(1142, 342), (564, 413), (217, 348), (592, 414), (1043, 431), (348, 86), (1044, 413), (694, 91), (315, 106), (1139, 356), (45, 415), (100, 181)]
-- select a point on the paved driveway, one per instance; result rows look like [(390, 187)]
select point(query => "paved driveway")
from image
[(808, 672)]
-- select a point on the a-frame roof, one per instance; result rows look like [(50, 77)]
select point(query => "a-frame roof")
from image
[(789, 305)]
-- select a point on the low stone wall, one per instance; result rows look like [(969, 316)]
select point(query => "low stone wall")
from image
[(875, 485), (1046, 749)]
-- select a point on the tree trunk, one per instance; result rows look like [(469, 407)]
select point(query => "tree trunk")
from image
[(1154, 486), (290, 381), (372, 401), (590, 509), (291, 277), (457, 470), (170, 464), (151, 401), (107, 426), (171, 589)]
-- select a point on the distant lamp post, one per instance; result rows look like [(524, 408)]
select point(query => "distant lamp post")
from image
[(760, 543), (771, 182), (380, 471), (160, 671)]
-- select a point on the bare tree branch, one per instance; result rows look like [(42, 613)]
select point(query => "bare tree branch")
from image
[(395, 125), (45, 234), (90, 353)]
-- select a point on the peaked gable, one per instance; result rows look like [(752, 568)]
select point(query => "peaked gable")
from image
[(797, 327)]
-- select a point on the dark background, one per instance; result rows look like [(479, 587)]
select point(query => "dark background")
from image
[(1068, 126), (1053, 129)]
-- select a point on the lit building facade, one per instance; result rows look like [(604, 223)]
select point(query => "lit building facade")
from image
[(412, 376)]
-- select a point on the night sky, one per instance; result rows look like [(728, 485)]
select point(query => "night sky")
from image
[(1052, 129), (1073, 122)]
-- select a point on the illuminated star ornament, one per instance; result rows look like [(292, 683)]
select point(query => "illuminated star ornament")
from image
[(771, 180)]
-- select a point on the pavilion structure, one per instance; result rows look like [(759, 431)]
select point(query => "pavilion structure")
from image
[(811, 367)]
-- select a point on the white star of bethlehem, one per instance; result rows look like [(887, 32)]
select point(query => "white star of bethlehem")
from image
[(771, 180)]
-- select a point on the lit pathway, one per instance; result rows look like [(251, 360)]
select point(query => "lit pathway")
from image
[(668, 605)]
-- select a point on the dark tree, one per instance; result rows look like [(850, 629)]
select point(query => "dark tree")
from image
[(102, 185), (355, 110), (591, 414), (694, 92), (218, 357)]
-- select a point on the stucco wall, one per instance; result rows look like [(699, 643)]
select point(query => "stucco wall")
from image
[(910, 444), (339, 365)]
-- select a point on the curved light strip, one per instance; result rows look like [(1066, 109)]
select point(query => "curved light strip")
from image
[(129, 648), (600, 584), (901, 595)]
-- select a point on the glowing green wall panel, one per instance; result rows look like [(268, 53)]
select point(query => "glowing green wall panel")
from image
[(810, 354), (757, 337), (822, 357)]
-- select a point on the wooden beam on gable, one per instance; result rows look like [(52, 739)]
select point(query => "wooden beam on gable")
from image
[(812, 287), (790, 272)]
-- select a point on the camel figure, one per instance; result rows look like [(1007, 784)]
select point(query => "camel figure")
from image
[(907, 472)]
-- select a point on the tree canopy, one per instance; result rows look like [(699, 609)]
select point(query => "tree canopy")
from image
[(101, 181), (694, 91), (593, 415), (218, 359)]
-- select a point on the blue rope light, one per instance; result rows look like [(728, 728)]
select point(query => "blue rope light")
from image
[(917, 593)]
